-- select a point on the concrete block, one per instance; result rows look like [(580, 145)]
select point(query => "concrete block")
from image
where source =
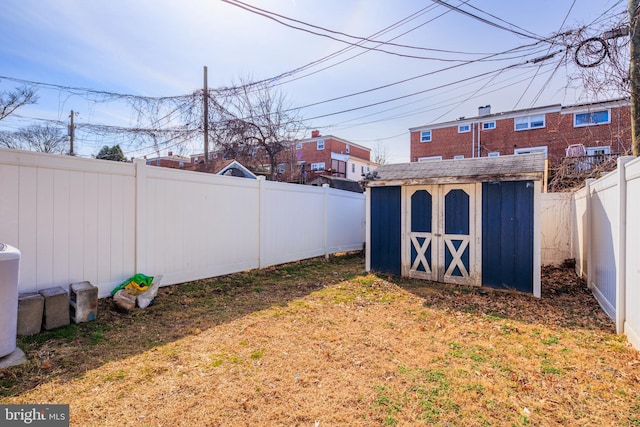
[(56, 308), (83, 302), (30, 310)]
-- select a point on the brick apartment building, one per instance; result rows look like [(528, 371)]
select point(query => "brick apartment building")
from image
[(330, 155), (171, 160), (600, 128), (306, 159)]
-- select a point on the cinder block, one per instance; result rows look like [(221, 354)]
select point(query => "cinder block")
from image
[(56, 308), (83, 302), (30, 309)]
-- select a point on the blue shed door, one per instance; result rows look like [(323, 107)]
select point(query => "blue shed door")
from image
[(507, 235), (421, 225), (458, 229), (386, 233)]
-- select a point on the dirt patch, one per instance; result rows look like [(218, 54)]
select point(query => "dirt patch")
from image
[(322, 343)]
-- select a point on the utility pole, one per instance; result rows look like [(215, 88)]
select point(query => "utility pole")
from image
[(206, 117), (72, 131), (634, 75)]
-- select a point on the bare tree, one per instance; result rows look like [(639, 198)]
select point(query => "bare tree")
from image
[(380, 154), (41, 138), (256, 121), (10, 101)]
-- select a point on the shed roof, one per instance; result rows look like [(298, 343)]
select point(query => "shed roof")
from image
[(481, 169)]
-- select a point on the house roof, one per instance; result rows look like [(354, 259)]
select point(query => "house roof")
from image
[(320, 137), (481, 169), (337, 183)]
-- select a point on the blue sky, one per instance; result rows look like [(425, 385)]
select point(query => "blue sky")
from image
[(158, 48)]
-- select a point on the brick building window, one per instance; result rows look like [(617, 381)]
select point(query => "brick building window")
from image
[(425, 136), (317, 166), (529, 122), (591, 119), (464, 128), (488, 125), (299, 146), (320, 144), (347, 149), (458, 157), (530, 150)]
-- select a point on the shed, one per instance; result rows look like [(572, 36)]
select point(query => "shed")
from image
[(469, 221)]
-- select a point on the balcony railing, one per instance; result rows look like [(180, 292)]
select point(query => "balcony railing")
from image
[(588, 166)]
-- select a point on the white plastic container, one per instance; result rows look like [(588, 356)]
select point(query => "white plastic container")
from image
[(9, 273)]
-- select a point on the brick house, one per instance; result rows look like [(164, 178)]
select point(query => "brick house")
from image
[(306, 158), (330, 155), (169, 161), (600, 128)]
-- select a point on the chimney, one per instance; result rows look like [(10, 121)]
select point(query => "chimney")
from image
[(315, 133), (484, 111)]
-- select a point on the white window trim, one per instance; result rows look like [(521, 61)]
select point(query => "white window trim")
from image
[(429, 159), (528, 118), (320, 144), (530, 150), (318, 166), (458, 157), (422, 136), (488, 125), (591, 151), (347, 149), (464, 128), (299, 146), (494, 154), (608, 110)]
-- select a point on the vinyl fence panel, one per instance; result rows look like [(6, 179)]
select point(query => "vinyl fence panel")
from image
[(603, 211), (556, 227), (84, 219), (632, 243), (71, 218)]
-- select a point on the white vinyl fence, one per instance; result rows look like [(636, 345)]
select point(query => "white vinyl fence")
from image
[(606, 243), (84, 219), (556, 230)]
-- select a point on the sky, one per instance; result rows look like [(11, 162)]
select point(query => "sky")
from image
[(437, 63)]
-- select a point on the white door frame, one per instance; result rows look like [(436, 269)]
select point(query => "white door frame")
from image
[(439, 240)]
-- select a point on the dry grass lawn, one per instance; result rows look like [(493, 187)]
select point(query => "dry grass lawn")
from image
[(321, 343)]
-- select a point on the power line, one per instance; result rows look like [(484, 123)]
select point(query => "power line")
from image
[(268, 14), (486, 21)]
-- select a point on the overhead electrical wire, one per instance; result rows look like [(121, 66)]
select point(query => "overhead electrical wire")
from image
[(415, 112), (534, 77), (486, 21), (359, 45), (269, 14), (115, 95)]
